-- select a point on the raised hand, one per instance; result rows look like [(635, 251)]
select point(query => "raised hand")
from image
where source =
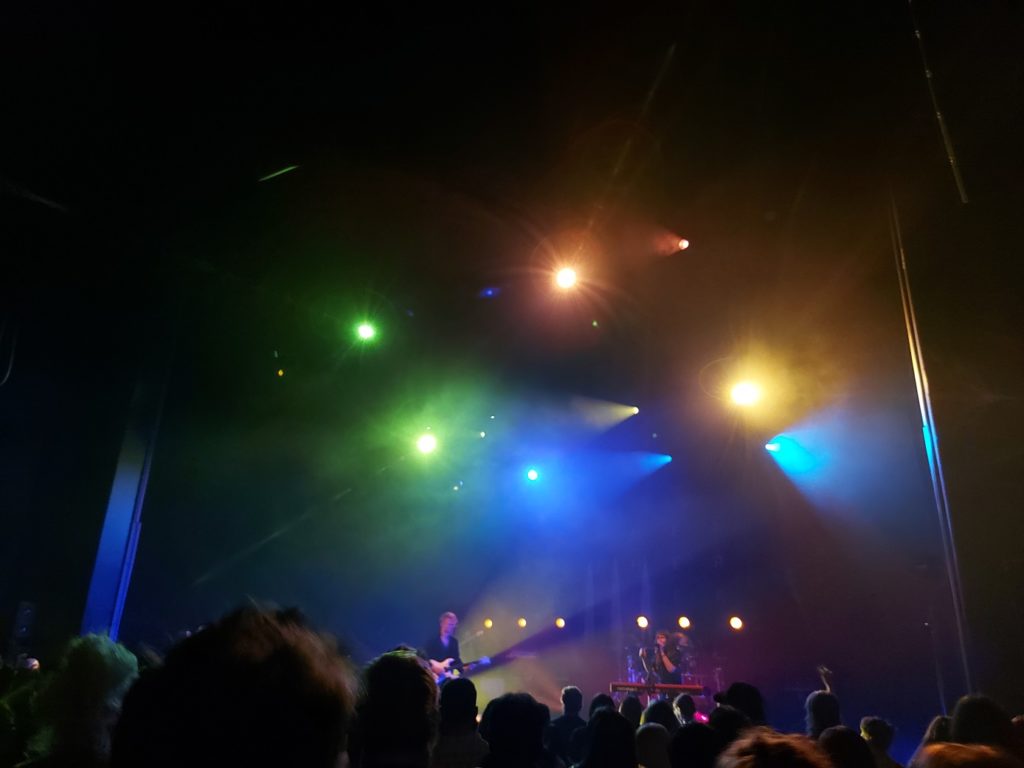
[(826, 677)]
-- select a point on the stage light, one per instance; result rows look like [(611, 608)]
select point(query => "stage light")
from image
[(684, 622), (793, 457), (593, 323), (560, 622), (488, 623), (746, 393), (426, 443), (455, 487), (521, 622), (641, 621), (482, 433), (280, 372), (532, 474), (683, 244), (736, 623), (566, 277), (602, 414), (365, 331)]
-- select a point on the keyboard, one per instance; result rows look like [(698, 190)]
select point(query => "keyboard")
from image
[(675, 688)]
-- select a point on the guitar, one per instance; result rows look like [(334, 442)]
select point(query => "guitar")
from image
[(448, 673)]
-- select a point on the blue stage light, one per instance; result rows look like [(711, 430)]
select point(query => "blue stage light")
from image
[(532, 474), (653, 461), (791, 456)]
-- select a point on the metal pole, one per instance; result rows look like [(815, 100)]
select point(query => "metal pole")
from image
[(947, 140), (931, 442)]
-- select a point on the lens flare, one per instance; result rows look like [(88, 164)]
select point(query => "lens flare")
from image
[(746, 393), (566, 277)]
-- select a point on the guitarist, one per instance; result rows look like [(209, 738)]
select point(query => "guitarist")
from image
[(442, 650)]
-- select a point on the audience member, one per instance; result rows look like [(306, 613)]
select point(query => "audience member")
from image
[(728, 723), (515, 733), (937, 732), (764, 748), (822, 708), (978, 719), (17, 723), (78, 706), (949, 755), (579, 742), (879, 733), (601, 701), (846, 748), (561, 728), (611, 741), (746, 698), (397, 715), (631, 709), (660, 712), (548, 758), (1017, 726), (694, 745), (256, 688), (685, 708), (458, 744), (652, 746), (485, 721)]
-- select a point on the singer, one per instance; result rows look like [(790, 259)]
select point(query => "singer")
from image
[(662, 662)]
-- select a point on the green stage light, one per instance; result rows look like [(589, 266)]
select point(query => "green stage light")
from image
[(366, 332)]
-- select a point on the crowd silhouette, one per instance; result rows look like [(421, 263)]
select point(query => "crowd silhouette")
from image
[(262, 688)]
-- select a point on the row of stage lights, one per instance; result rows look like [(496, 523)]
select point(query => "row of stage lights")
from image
[(521, 623), (565, 278), (735, 623)]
